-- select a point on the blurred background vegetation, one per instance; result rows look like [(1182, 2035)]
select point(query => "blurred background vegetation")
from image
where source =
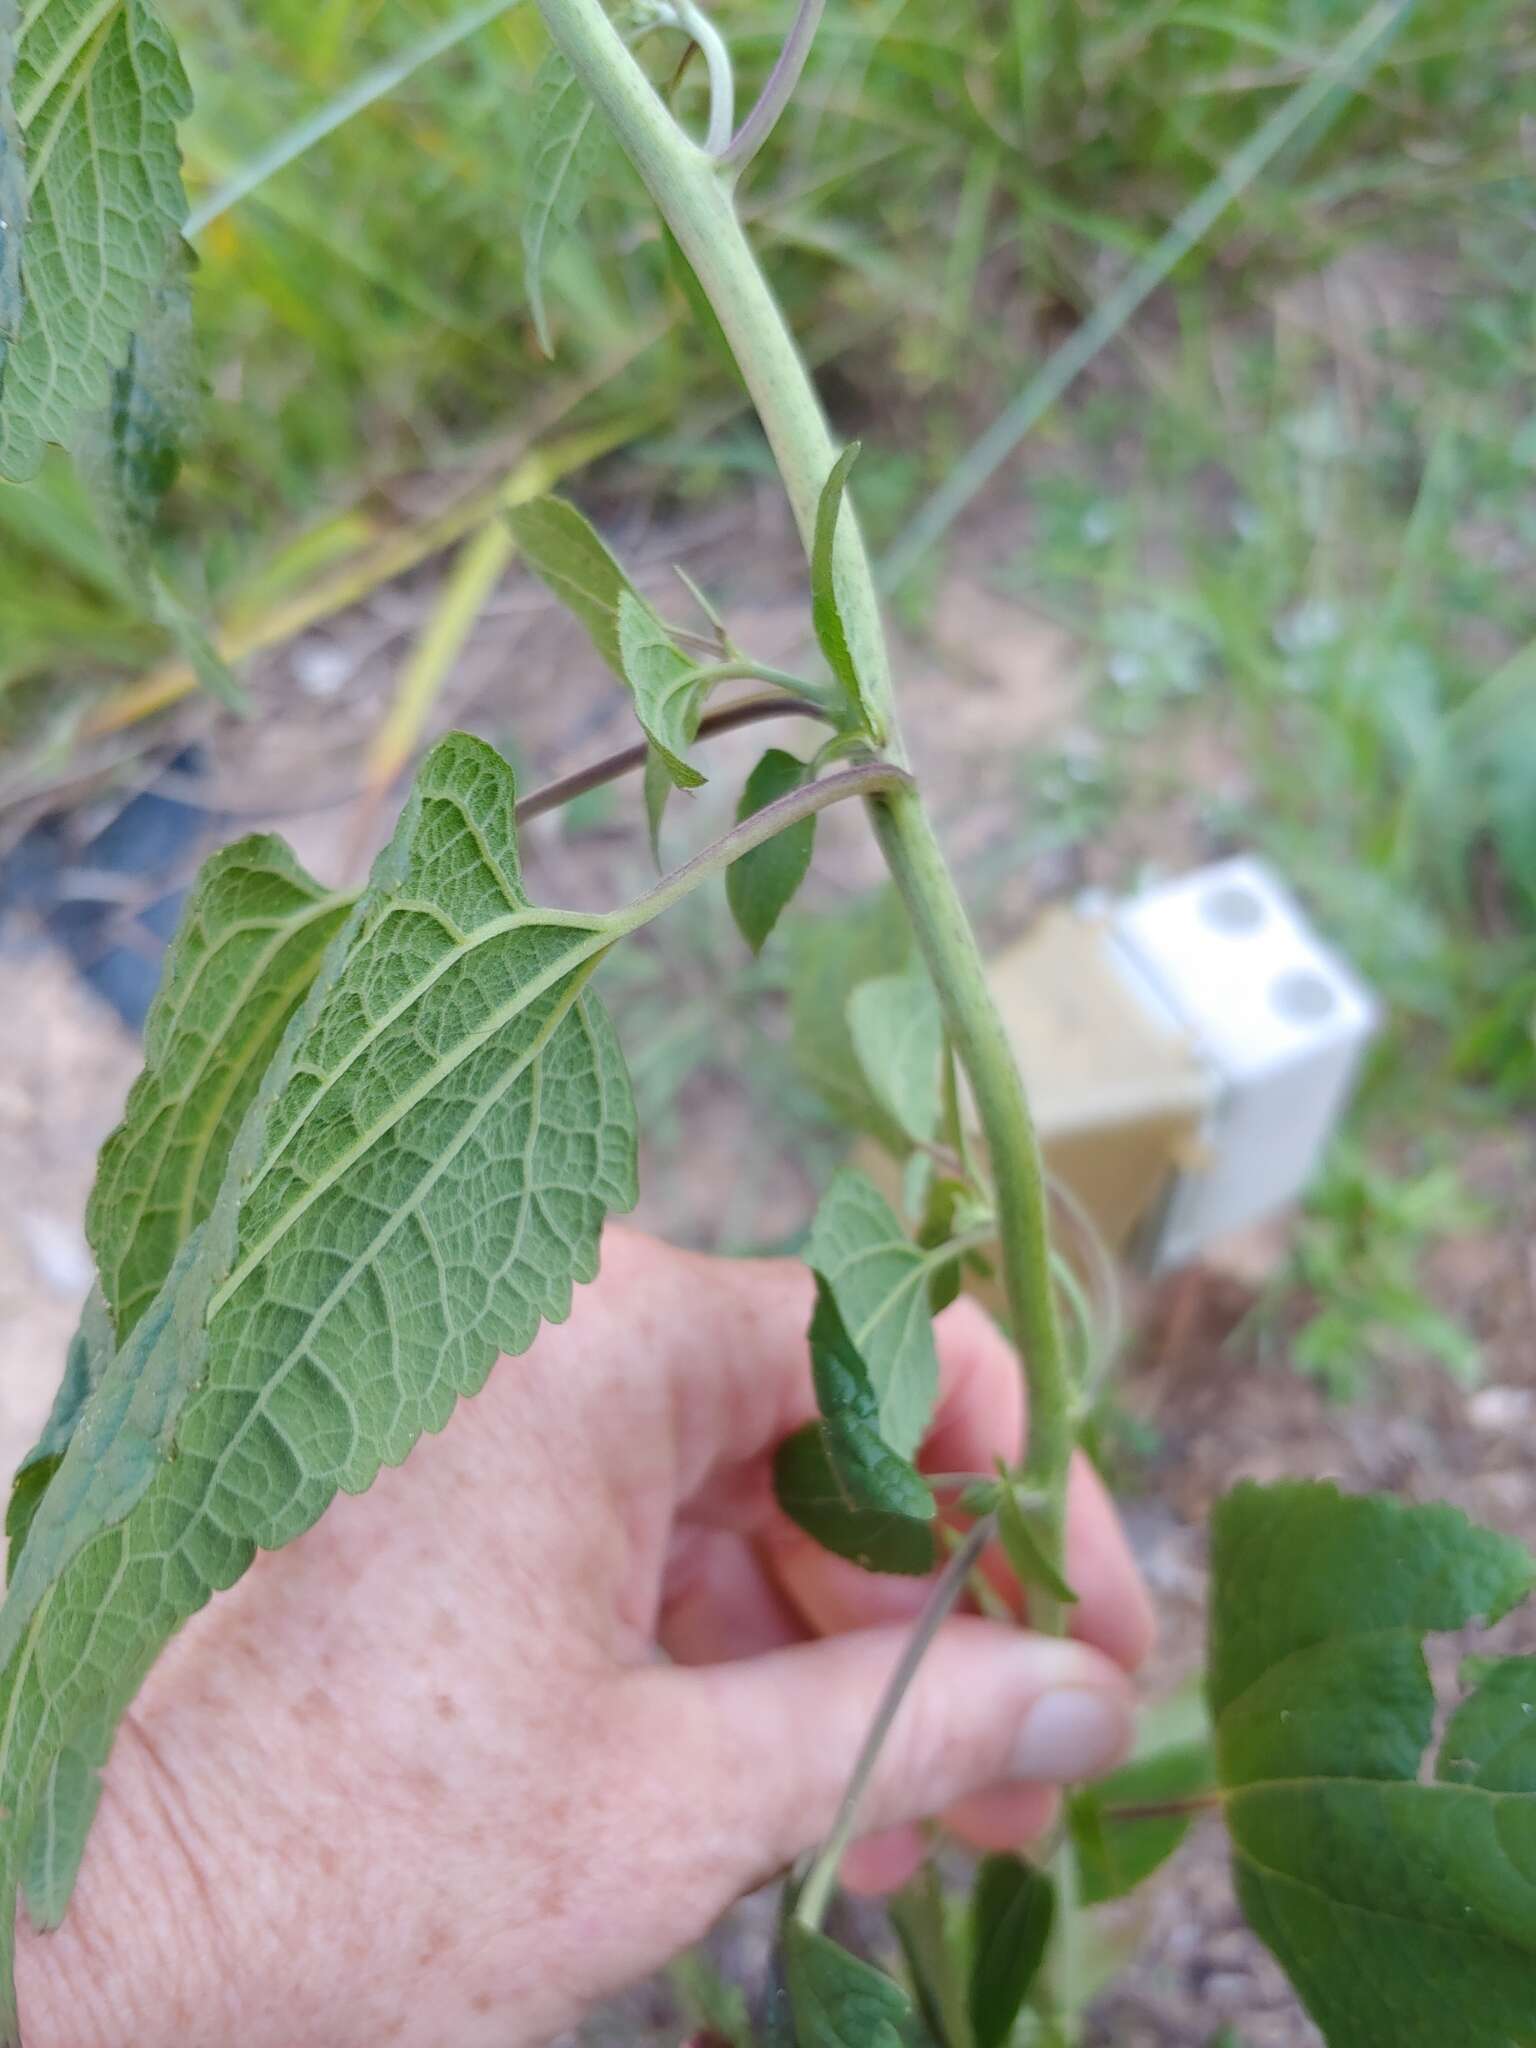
[(1294, 497)]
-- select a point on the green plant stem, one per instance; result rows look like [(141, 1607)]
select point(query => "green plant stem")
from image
[(694, 199), (717, 62), (693, 196), (780, 88), (629, 760), (954, 959), (811, 1905)]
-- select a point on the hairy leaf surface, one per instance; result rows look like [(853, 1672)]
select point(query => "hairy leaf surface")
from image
[(879, 1281), (1404, 1912), (568, 555), (421, 1177), (244, 956), (898, 1034), (565, 141), (837, 2000), (826, 599), (665, 685), (97, 92), (843, 1483), (1012, 1908), (761, 885)]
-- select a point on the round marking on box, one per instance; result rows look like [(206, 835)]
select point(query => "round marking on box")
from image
[(1303, 996), (1232, 908)]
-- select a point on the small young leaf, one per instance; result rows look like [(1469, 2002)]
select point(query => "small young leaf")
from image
[(1404, 1912), (248, 947), (349, 1284), (1012, 1909), (1018, 1532), (946, 1199), (657, 787), (565, 552), (829, 956), (95, 97), (565, 141), (878, 1279), (898, 1035), (826, 607), (665, 686), (761, 885), (1173, 1762), (811, 1490), (837, 2000)]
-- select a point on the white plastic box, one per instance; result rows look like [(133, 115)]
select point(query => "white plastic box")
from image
[(1276, 1019)]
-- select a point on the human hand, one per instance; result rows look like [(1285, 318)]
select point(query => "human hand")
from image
[(420, 1778)]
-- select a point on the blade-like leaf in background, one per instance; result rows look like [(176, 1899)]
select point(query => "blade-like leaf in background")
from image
[(1404, 1912), (422, 1176), (243, 958), (665, 686), (565, 141), (761, 885), (1012, 1908), (878, 1279), (97, 92), (898, 1034)]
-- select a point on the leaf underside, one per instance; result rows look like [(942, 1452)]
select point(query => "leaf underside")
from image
[(95, 97), (421, 1177), (878, 1279), (1404, 1912), (830, 955), (665, 686), (898, 1034)]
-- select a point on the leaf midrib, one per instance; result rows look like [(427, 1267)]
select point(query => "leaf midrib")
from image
[(87, 29)]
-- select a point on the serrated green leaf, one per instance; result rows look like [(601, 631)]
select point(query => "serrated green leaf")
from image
[(665, 685), (1404, 1912), (420, 1179), (838, 2001), (565, 140), (879, 1280), (829, 955), (97, 92), (898, 1035), (1019, 1531), (244, 956), (826, 603), (1012, 1910), (567, 554), (810, 1489), (761, 885), (1117, 1846), (883, 1509), (90, 1353)]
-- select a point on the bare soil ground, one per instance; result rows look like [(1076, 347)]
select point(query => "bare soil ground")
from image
[(992, 683)]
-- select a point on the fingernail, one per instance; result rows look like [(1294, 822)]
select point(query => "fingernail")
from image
[(1071, 1734)]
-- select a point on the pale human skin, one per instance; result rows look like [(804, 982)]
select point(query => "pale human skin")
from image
[(421, 1778)]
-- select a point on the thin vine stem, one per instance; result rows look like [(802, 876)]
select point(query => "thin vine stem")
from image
[(811, 1905), (779, 89), (630, 760)]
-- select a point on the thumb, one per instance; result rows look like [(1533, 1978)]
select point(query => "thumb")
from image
[(759, 1752)]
